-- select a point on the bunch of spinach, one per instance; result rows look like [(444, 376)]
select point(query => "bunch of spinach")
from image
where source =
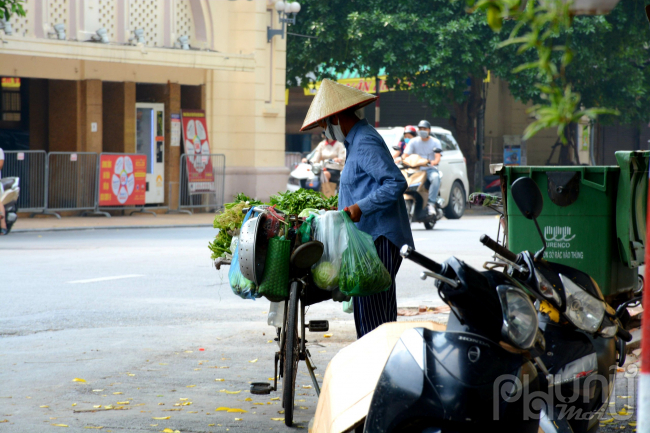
[(294, 202), (228, 222)]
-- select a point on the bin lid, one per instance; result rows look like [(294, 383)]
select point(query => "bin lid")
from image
[(631, 206)]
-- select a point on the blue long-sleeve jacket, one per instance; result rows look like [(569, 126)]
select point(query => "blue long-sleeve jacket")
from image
[(372, 180)]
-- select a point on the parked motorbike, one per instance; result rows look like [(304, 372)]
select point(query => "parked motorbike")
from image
[(307, 175), (585, 339), (9, 197), (445, 381), (417, 193)]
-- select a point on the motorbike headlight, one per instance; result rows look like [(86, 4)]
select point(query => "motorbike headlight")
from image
[(546, 288), (519, 317), (582, 309)]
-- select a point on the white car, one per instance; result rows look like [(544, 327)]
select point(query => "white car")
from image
[(453, 184)]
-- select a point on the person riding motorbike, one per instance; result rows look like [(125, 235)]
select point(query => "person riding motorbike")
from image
[(425, 145), (330, 149), (410, 132)]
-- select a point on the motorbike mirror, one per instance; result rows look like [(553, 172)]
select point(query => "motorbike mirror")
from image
[(528, 197), (530, 202)]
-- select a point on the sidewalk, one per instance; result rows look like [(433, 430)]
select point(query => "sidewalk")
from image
[(39, 224)]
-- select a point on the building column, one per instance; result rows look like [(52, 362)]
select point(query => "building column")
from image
[(65, 115), (172, 154), (118, 116), (91, 116)]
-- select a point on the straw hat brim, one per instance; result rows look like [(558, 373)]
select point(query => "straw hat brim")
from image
[(333, 98)]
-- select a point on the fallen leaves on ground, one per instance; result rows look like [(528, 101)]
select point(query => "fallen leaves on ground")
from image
[(254, 360), (229, 392), (277, 419), (327, 335), (270, 341), (123, 402), (161, 417), (258, 404), (281, 412), (236, 410), (219, 380), (607, 421), (190, 386), (304, 407), (623, 396), (43, 406), (3, 420), (623, 412), (248, 399), (210, 425), (131, 374), (307, 386), (60, 425), (219, 409), (97, 390), (98, 406), (74, 404), (78, 379), (96, 428), (239, 419), (118, 393), (275, 398)]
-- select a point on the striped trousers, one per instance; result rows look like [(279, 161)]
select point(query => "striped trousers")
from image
[(374, 310)]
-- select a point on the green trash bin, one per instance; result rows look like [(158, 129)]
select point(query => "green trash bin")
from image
[(578, 222), (632, 206)]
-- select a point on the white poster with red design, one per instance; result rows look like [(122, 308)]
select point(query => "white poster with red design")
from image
[(197, 147)]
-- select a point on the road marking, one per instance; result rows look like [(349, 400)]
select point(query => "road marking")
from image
[(95, 280)]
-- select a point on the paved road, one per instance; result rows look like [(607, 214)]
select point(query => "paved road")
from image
[(156, 336)]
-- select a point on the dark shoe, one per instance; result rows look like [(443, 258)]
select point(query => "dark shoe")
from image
[(3, 232)]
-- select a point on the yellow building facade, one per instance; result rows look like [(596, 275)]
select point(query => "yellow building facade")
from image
[(80, 86)]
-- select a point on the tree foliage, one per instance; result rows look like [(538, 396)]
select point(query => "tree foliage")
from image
[(11, 7), (441, 51)]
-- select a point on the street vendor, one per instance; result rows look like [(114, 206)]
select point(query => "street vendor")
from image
[(371, 189)]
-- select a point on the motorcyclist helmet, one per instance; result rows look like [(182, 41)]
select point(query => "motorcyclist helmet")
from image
[(410, 129), (424, 124)]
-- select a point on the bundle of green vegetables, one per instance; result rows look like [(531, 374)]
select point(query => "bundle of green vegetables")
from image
[(295, 202), (228, 222)]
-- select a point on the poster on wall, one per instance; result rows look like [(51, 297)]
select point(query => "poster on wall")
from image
[(122, 179), (197, 147), (176, 130)]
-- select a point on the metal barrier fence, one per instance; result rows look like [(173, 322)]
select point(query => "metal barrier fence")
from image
[(72, 181), (291, 159), (196, 190), (31, 167)]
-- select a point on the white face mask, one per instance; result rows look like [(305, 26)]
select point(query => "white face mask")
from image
[(423, 134), (335, 130), (328, 135)]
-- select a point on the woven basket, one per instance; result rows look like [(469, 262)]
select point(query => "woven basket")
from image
[(275, 281)]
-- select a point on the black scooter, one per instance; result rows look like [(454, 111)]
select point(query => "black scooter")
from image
[(585, 339), (473, 376)]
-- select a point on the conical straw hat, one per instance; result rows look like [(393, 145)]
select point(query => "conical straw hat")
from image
[(333, 98)]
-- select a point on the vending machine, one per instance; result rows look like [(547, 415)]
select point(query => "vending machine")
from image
[(150, 141)]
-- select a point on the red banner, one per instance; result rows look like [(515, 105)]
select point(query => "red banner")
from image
[(197, 148), (122, 180)]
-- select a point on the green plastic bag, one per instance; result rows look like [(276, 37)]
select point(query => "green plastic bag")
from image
[(305, 229), (362, 273), (275, 280), (348, 306)]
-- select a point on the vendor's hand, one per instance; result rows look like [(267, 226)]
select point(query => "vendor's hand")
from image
[(337, 160), (304, 160), (355, 212)]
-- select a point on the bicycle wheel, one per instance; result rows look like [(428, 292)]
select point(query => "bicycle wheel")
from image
[(291, 352)]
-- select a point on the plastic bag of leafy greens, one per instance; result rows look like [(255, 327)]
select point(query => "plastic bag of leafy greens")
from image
[(240, 285), (362, 273), (308, 211), (329, 228)]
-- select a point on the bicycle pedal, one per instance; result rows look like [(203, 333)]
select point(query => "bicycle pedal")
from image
[(318, 326)]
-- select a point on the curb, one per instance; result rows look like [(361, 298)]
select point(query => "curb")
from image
[(63, 229)]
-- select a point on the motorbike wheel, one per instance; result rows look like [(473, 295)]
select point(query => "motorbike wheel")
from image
[(291, 353), (429, 225)]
